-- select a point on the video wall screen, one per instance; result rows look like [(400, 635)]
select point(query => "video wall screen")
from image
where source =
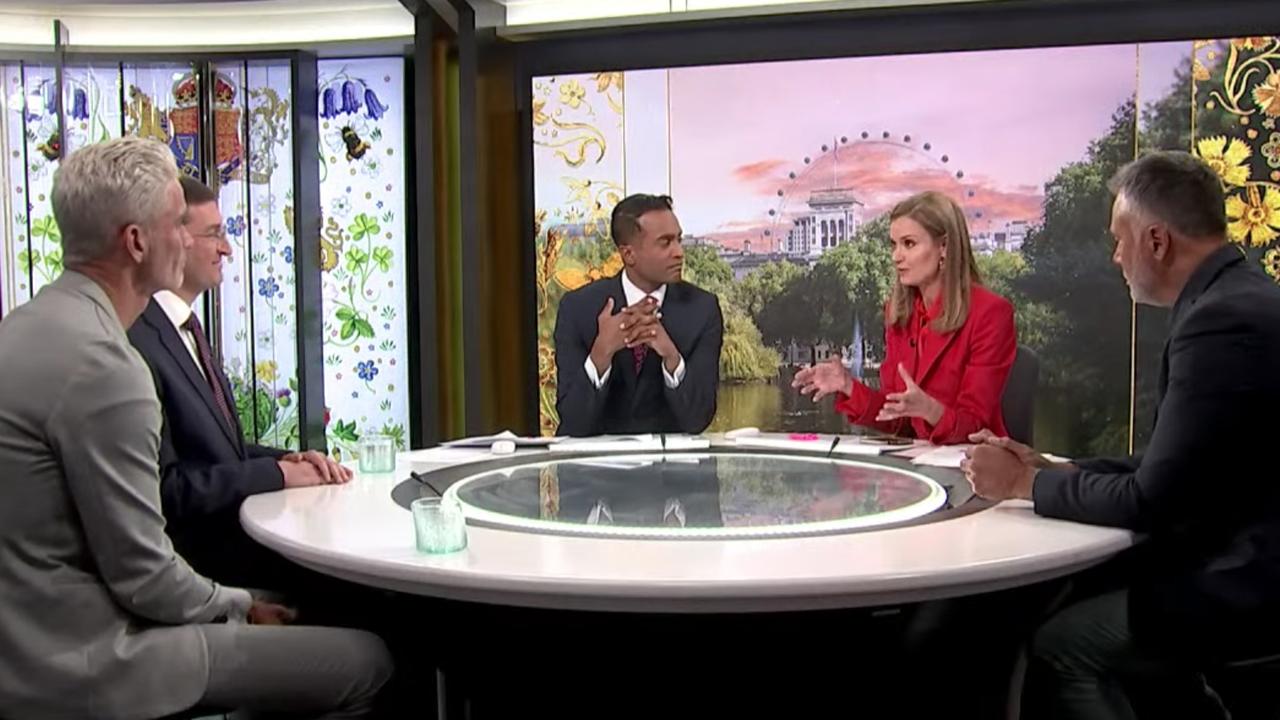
[(782, 174)]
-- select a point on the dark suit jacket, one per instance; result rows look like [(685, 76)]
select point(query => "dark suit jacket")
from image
[(631, 403), (1205, 490), (206, 468)]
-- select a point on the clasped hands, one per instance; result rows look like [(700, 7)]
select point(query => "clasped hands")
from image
[(304, 469), (635, 325), (1000, 468)]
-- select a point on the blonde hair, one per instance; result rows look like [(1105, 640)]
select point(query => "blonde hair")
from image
[(943, 219), (101, 188)]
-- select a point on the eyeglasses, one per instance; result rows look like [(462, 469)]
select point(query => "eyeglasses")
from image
[(220, 235)]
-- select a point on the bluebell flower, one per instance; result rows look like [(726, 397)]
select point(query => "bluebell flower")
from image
[(288, 253), (374, 107), (350, 101), (366, 370), (48, 94), (328, 103), (268, 286), (235, 226), (80, 104)]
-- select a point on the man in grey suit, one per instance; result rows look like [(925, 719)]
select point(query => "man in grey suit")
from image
[(101, 618)]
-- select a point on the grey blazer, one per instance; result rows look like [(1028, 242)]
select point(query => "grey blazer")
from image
[(98, 614)]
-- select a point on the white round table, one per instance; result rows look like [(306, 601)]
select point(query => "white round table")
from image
[(359, 533)]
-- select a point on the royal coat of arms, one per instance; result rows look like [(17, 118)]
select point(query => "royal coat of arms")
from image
[(180, 127)]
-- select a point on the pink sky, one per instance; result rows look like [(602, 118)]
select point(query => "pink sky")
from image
[(1008, 119)]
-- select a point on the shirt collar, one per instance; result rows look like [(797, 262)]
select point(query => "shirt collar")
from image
[(635, 294), (174, 307), (931, 311)]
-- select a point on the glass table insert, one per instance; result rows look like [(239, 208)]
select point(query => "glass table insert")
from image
[(703, 495)]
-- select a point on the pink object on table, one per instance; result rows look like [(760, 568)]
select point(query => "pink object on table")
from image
[(802, 436)]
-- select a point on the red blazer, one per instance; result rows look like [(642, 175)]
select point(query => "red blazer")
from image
[(965, 370)]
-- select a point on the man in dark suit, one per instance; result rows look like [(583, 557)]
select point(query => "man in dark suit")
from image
[(639, 352), (1203, 492), (206, 467)]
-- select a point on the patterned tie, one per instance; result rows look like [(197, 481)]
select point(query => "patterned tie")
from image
[(638, 352), (192, 325)]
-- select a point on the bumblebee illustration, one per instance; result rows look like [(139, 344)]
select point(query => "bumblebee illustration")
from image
[(51, 148), (356, 148)]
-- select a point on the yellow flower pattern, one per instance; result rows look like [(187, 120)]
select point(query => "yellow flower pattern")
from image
[(1236, 91), (1271, 263), (1267, 95), (572, 93), (267, 371), (1251, 43), (1255, 218), (1226, 158)]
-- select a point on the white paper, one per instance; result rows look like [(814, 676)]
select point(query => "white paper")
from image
[(447, 455), (631, 443), (485, 441), (947, 456)]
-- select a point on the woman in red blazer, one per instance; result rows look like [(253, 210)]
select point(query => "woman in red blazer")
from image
[(949, 342)]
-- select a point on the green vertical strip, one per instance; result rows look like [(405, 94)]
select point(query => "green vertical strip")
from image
[(456, 378)]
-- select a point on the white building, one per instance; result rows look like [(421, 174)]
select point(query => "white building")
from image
[(832, 219), (1008, 237)]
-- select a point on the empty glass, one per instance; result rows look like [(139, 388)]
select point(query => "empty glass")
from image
[(377, 454), (439, 525)]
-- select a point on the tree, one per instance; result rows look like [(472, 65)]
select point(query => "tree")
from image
[(743, 356), (762, 285), (704, 267), (1037, 322), (865, 266), (1070, 273)]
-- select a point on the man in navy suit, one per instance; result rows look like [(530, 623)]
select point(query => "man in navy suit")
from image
[(639, 351), (206, 467)]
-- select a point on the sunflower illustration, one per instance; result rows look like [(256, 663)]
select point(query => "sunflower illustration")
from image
[(1227, 160), (1254, 217)]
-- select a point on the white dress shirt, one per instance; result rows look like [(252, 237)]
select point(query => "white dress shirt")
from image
[(635, 295), (178, 312)]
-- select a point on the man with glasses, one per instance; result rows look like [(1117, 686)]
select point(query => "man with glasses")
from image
[(206, 466)]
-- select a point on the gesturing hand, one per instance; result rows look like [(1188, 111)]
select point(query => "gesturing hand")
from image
[(823, 379), (913, 402)]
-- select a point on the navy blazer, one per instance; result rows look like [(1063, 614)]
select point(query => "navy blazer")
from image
[(1205, 490), (631, 403), (206, 468)]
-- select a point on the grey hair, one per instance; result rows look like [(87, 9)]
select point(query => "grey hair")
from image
[(101, 188), (1175, 188)]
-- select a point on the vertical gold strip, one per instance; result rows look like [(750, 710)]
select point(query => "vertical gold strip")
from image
[(622, 96)]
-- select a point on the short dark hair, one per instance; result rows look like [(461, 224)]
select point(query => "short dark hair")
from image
[(625, 221), (196, 192), (1176, 188)]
